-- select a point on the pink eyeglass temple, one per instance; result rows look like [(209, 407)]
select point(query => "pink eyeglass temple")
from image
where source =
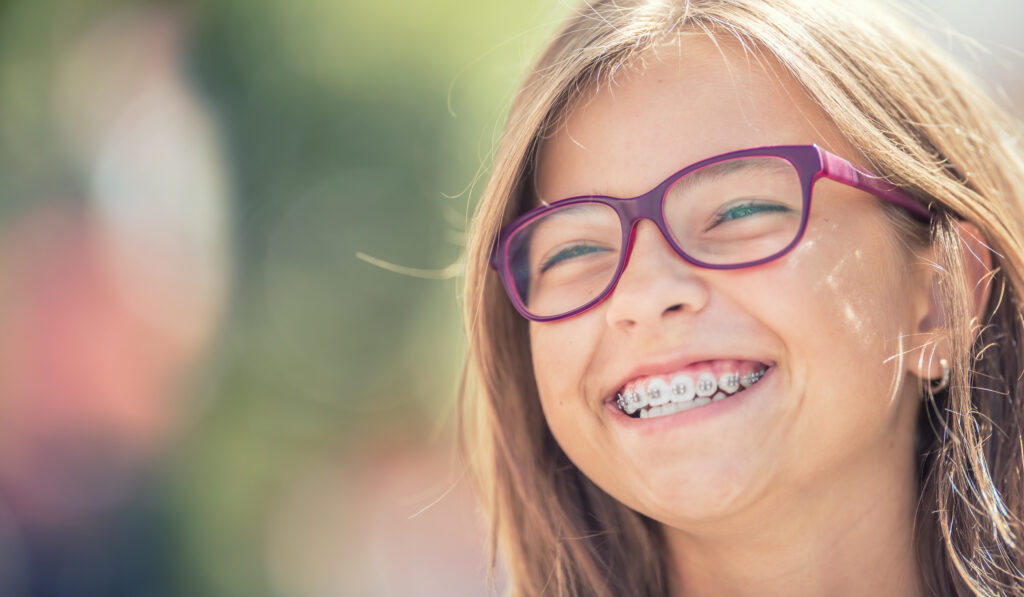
[(841, 170)]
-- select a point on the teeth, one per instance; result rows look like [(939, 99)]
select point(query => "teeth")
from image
[(682, 388), (681, 393), (706, 384), (658, 392), (729, 383), (654, 411), (674, 407), (749, 379), (630, 402)]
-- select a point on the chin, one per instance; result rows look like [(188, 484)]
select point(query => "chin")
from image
[(693, 493)]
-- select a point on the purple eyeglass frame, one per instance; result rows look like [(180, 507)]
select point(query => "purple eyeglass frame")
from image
[(810, 161)]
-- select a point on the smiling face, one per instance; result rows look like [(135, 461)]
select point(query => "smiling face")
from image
[(823, 322)]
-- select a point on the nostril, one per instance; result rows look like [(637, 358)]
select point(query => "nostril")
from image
[(677, 307)]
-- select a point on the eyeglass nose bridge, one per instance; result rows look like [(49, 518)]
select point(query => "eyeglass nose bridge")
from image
[(645, 207)]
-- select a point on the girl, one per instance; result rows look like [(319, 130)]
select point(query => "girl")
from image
[(743, 304)]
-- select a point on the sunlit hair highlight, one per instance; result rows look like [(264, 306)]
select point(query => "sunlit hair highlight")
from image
[(917, 120)]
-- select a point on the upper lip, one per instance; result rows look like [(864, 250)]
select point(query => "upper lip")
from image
[(661, 366)]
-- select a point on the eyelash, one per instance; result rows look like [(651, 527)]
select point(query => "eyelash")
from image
[(748, 208), (568, 253), (744, 209)]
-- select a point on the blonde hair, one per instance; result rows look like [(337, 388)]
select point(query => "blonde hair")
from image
[(917, 120)]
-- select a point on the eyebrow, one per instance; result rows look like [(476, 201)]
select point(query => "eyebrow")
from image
[(701, 175), (566, 214), (720, 170), (571, 210)]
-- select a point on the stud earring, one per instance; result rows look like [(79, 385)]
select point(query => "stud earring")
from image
[(934, 386)]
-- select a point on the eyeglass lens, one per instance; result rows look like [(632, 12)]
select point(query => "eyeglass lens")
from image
[(726, 213)]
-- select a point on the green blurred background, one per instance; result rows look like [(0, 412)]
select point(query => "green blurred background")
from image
[(317, 455)]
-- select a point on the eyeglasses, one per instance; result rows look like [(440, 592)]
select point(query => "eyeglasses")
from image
[(730, 211)]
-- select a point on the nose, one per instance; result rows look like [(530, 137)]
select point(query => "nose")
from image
[(656, 285)]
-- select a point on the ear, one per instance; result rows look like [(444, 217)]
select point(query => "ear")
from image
[(931, 340)]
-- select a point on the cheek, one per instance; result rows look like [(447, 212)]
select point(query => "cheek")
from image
[(847, 286), (563, 360), (860, 291), (850, 317), (561, 353)]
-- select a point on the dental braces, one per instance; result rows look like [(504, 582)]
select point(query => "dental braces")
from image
[(706, 386)]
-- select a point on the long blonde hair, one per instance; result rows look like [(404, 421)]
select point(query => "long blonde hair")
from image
[(917, 120)]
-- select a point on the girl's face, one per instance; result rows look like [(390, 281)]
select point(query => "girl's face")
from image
[(827, 322)]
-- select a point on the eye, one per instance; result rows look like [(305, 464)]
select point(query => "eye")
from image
[(571, 252), (746, 209)]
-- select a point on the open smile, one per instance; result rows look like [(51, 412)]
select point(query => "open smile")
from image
[(696, 385)]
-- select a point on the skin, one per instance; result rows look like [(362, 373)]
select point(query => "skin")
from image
[(809, 488)]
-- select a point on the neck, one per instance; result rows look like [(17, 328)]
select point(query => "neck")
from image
[(853, 536)]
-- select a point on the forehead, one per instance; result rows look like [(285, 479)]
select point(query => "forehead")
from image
[(674, 105)]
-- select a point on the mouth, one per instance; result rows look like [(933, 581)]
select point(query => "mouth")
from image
[(694, 386)]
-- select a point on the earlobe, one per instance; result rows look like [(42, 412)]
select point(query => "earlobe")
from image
[(933, 342), (929, 342)]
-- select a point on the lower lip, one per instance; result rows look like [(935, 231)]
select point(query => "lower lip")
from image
[(693, 416)]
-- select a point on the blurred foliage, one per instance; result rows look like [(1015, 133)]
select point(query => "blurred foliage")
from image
[(337, 116), (351, 126)]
